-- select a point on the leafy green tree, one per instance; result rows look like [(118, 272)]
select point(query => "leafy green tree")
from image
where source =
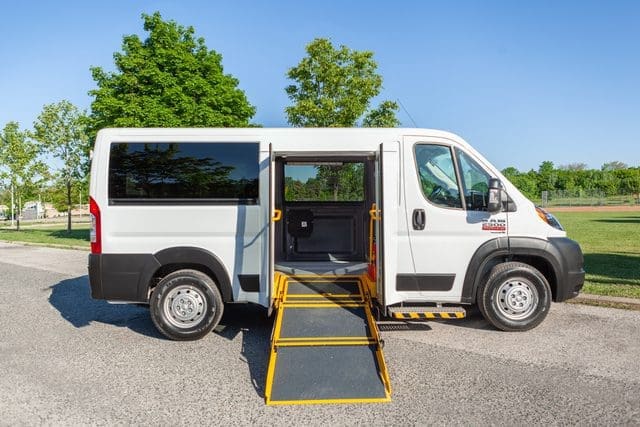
[(630, 183), (20, 166), (170, 79), (547, 176), (61, 129), (333, 87), (615, 165), (382, 117), (578, 166), (527, 183)]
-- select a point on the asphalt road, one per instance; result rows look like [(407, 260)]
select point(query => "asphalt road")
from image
[(67, 359)]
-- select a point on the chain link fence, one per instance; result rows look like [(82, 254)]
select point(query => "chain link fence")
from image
[(586, 198)]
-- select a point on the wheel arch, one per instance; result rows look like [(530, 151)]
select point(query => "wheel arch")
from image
[(186, 257), (537, 253)]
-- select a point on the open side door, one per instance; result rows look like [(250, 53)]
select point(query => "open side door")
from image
[(274, 216), (388, 182)]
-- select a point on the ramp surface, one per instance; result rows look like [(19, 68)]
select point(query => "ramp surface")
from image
[(325, 345)]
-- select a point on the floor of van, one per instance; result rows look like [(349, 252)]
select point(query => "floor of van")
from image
[(336, 268)]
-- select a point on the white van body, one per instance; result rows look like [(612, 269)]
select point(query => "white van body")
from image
[(429, 252)]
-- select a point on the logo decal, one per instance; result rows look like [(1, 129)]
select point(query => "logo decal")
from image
[(495, 225)]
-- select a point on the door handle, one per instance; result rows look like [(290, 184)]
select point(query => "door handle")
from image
[(419, 219)]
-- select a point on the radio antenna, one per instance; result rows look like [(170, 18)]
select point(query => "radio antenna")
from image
[(407, 113)]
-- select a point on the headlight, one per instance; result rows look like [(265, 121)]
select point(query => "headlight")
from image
[(549, 218)]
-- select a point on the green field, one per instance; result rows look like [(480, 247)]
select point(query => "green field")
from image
[(49, 234), (611, 245), (610, 241)]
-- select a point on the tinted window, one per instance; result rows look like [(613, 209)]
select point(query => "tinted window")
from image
[(183, 171), (475, 182), (321, 182), (437, 175)]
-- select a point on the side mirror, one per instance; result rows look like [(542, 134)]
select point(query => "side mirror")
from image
[(495, 196)]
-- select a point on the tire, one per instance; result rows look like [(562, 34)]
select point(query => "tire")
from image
[(515, 297), (186, 305)]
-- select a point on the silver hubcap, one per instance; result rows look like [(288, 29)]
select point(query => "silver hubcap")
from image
[(185, 306), (516, 299)]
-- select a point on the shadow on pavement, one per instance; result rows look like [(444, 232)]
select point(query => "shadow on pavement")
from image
[(72, 298), (473, 320), (252, 322)]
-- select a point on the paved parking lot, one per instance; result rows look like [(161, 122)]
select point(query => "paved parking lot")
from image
[(66, 358)]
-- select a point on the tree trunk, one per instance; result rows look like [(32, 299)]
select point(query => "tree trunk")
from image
[(68, 206), (18, 214)]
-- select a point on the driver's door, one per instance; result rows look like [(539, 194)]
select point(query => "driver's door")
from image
[(444, 226)]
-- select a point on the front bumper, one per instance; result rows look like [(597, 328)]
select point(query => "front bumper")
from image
[(570, 274)]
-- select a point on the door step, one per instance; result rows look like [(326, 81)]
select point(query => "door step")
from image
[(416, 313)]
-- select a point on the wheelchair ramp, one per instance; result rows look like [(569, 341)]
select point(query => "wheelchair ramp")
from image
[(325, 346)]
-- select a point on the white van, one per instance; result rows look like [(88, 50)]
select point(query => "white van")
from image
[(189, 220)]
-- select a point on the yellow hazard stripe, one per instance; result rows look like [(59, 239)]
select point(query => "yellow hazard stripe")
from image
[(430, 315)]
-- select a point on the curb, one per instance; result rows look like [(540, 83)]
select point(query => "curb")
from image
[(48, 245), (607, 301)]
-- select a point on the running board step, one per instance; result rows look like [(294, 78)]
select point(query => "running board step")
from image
[(413, 313)]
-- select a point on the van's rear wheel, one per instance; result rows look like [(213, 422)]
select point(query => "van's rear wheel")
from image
[(186, 305), (515, 297)]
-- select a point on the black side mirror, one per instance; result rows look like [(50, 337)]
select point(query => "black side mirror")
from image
[(494, 204)]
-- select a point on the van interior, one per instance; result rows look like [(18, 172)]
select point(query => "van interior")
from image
[(325, 203)]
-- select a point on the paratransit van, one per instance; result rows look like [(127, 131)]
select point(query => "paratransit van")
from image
[(329, 229)]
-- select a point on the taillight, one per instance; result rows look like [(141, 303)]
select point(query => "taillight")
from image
[(95, 234)]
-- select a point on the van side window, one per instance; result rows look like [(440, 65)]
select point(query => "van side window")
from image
[(183, 172), (437, 175), (475, 182), (324, 181)]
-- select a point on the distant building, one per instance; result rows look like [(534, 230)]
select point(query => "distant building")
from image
[(4, 212), (33, 210), (50, 211), (80, 210)]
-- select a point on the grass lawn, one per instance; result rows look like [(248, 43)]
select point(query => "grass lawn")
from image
[(49, 234), (611, 245)]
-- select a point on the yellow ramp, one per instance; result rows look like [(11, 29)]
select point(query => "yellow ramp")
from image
[(325, 346)]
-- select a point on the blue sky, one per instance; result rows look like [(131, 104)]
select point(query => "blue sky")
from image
[(522, 81)]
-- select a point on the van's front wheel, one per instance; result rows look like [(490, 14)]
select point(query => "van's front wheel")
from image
[(515, 297), (186, 305)]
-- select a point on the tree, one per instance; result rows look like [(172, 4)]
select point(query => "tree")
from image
[(334, 87), (527, 183), (615, 165), (61, 129), (547, 176), (170, 79), (19, 164), (382, 117), (579, 166)]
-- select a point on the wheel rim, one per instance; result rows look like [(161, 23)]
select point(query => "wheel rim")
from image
[(516, 299), (185, 306)]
